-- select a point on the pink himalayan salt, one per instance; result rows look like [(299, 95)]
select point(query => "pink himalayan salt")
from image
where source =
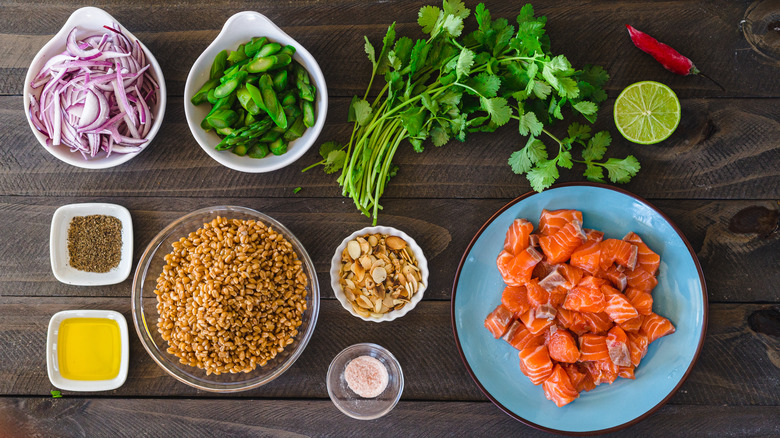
[(366, 376)]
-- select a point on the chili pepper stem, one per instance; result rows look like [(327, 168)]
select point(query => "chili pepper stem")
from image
[(713, 80)]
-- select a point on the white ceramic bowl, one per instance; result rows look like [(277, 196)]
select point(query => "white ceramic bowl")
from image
[(90, 19), (58, 245), (239, 29), (335, 267), (52, 348)]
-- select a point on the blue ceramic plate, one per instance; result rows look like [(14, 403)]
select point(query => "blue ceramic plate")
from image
[(680, 296)]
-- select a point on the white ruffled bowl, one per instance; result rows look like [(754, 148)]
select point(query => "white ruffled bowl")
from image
[(422, 263)]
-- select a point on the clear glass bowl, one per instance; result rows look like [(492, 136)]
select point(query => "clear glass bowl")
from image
[(352, 404), (145, 313)]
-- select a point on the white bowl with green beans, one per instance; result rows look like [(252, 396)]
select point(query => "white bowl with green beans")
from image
[(255, 99)]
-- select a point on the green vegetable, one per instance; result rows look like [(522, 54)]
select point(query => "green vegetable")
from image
[(454, 82), (296, 190), (202, 95), (280, 81), (219, 64), (296, 130), (56, 394), (268, 50), (278, 146), (254, 92), (251, 48), (237, 55), (272, 105), (259, 150), (222, 118)]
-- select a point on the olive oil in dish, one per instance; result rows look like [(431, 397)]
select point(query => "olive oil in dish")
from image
[(89, 348)]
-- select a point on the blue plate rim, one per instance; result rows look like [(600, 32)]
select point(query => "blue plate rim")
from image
[(649, 411)]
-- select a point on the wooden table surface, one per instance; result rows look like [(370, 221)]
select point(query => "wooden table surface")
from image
[(717, 177)]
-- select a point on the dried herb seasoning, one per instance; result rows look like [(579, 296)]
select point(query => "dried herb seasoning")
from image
[(95, 243)]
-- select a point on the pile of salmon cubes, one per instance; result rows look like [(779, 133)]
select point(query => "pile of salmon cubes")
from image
[(578, 307)]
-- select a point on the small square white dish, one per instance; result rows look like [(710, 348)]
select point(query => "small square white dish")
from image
[(58, 245), (52, 349)]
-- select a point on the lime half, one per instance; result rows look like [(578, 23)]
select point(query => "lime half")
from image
[(647, 112)]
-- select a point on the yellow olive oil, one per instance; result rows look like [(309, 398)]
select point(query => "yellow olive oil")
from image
[(89, 348)]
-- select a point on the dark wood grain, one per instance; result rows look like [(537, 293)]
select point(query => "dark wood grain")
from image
[(738, 267), (225, 418), (737, 366), (588, 32), (724, 149)]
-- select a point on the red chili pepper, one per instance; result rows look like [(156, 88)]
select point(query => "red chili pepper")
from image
[(671, 59)]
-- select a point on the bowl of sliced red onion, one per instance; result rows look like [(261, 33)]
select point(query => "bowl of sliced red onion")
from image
[(94, 95)]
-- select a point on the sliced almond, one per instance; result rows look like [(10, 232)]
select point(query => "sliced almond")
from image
[(388, 301), (359, 271), (366, 262), (364, 302), (365, 248), (353, 248), (373, 240), (377, 305), (350, 284), (348, 293), (395, 243), (378, 274)]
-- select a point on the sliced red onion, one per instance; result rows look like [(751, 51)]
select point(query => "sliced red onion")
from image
[(96, 95)]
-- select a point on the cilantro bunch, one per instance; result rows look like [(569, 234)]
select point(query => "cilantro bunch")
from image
[(453, 83)]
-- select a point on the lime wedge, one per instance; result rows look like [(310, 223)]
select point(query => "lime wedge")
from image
[(647, 112)]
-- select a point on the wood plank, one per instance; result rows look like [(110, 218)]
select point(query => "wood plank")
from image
[(68, 417), (588, 32), (738, 267), (738, 364), (724, 148)]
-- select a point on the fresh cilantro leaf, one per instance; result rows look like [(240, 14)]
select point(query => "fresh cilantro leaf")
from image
[(579, 133), (412, 120), (543, 175), (387, 42), (534, 151), (555, 108), (416, 144), (594, 173), (370, 52), (597, 146), (586, 107), (335, 161), (486, 84), (454, 25), (439, 136), (502, 39), (56, 394), (351, 117), (560, 64), (465, 61), (428, 17), (419, 56), (542, 89), (497, 107), (564, 159), (526, 13), (362, 111), (327, 147), (621, 171), (296, 190), (450, 97), (398, 58), (482, 15), (568, 88), (529, 123), (595, 75), (456, 7)]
